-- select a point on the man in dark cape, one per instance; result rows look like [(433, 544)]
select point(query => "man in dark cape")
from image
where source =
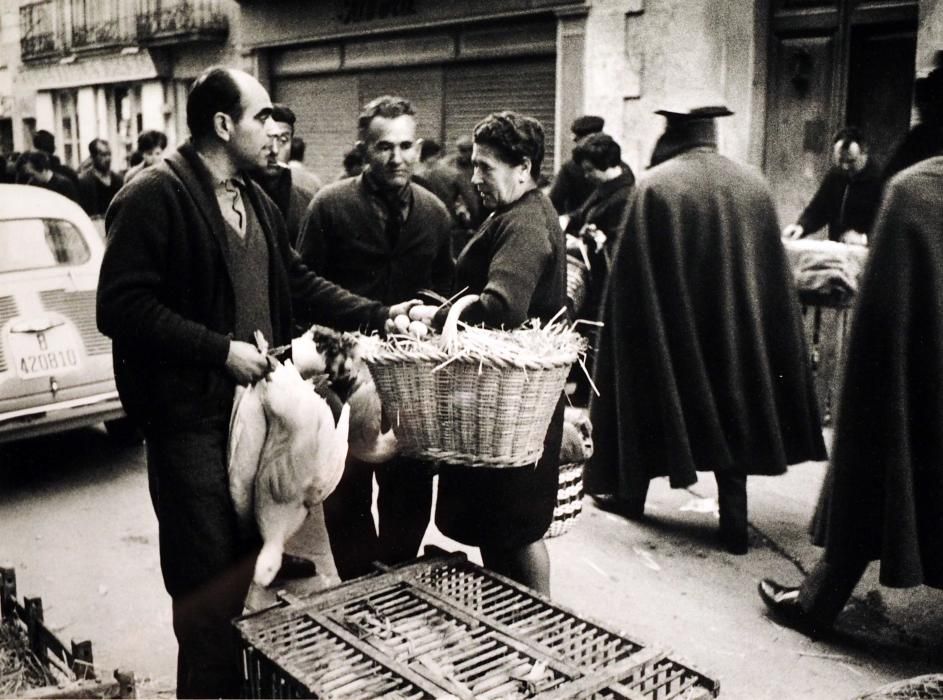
[(881, 499), (702, 364)]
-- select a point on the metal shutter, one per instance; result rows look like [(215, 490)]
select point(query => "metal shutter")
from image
[(474, 90), (327, 109)]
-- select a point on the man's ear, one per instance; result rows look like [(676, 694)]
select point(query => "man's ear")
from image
[(222, 125)]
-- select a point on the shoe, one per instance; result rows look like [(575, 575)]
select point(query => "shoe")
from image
[(633, 510), (783, 603), (735, 542), (296, 567)]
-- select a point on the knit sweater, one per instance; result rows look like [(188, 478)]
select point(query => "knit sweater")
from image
[(344, 238), (165, 295), (516, 263)]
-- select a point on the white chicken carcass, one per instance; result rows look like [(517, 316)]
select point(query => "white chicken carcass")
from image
[(247, 430), (302, 460), (351, 380)]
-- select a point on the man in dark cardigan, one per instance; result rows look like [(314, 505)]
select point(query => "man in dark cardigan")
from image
[(384, 237), (197, 259)]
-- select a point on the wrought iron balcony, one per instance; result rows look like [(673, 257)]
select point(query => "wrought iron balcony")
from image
[(181, 21), (115, 31), (37, 36)]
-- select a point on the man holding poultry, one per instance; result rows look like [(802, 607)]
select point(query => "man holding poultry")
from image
[(384, 237), (197, 260)]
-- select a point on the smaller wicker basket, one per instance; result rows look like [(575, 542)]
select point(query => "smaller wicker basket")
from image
[(569, 499), (577, 280), (472, 409)]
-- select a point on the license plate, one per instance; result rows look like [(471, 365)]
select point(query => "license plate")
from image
[(41, 353)]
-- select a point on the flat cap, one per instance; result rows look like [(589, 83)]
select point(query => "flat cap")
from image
[(587, 124)]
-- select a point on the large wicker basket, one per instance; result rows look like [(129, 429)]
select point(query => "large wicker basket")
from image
[(471, 410)]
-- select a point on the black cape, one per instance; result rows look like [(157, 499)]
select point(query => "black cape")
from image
[(702, 362), (883, 498)]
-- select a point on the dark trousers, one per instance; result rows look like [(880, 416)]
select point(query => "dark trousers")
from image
[(404, 506), (207, 568), (732, 504), (828, 587)]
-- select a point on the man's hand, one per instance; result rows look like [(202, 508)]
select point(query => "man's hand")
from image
[(246, 363), (410, 317), (793, 231)]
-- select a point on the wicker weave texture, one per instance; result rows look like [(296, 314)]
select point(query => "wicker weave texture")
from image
[(577, 275), (469, 412), (569, 504)]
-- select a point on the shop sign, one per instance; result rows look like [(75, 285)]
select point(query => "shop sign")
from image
[(353, 11)]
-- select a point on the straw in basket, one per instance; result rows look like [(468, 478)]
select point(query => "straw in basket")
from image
[(475, 397)]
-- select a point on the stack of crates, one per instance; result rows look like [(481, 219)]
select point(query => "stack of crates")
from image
[(442, 627)]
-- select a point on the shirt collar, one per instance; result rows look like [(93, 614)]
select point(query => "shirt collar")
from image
[(220, 179)]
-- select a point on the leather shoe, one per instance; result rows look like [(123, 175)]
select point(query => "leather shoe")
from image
[(783, 603), (631, 509)]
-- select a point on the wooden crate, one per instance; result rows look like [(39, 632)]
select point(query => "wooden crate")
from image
[(444, 627)]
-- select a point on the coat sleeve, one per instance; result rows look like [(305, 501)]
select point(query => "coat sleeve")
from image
[(133, 272), (816, 213), (321, 301), (312, 242)]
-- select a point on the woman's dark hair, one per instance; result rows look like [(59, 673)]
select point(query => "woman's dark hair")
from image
[(214, 91), (151, 139), (600, 150), (513, 137)]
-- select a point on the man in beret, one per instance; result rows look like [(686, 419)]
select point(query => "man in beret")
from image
[(571, 187)]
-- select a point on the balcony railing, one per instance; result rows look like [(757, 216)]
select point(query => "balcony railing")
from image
[(46, 34), (37, 37), (185, 20), (115, 31)]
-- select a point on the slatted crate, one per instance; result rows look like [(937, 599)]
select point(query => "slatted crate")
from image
[(442, 627)]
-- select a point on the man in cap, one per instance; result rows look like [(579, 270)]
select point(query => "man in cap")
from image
[(571, 187), (702, 349)]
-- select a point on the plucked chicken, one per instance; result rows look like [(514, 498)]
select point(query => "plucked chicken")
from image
[(301, 461)]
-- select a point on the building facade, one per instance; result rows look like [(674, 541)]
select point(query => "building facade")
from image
[(793, 71), (113, 68)]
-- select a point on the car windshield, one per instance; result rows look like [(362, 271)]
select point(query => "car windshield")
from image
[(28, 244)]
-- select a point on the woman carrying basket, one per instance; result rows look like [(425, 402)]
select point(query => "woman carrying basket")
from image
[(516, 264)]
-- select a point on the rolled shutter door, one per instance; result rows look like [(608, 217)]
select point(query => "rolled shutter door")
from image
[(475, 90), (326, 108)]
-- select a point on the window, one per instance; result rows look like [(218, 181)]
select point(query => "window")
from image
[(68, 137), (128, 120), (29, 244)]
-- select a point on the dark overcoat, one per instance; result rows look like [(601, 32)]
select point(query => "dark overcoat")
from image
[(884, 491), (702, 362)]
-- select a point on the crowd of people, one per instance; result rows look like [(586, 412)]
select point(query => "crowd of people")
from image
[(701, 362)]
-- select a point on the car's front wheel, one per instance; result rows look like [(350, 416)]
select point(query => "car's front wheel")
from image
[(123, 431)]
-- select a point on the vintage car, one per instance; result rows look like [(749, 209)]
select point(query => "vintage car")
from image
[(55, 367)]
